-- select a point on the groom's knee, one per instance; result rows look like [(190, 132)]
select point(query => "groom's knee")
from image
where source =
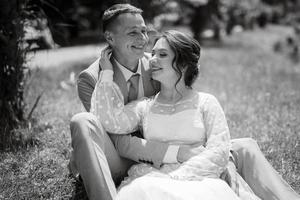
[(80, 124)]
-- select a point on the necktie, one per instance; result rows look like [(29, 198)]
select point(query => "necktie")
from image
[(133, 87)]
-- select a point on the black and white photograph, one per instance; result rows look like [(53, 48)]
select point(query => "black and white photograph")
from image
[(150, 99)]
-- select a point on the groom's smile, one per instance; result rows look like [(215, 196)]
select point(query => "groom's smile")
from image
[(139, 48)]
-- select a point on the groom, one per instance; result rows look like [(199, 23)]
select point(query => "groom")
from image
[(102, 159)]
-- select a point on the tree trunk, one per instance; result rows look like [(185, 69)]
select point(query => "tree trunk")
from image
[(12, 58)]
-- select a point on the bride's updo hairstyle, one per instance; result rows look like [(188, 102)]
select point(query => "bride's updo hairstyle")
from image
[(187, 54)]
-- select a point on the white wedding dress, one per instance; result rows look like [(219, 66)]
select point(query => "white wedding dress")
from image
[(199, 119)]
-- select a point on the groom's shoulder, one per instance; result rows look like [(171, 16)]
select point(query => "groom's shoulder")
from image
[(91, 71)]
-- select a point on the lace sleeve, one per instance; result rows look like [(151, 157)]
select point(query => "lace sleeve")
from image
[(107, 104), (212, 161)]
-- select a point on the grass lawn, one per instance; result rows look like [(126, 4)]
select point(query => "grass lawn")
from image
[(258, 89)]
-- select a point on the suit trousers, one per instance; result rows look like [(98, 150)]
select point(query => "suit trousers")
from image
[(95, 158)]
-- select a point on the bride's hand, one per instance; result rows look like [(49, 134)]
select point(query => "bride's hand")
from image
[(186, 152), (105, 59)]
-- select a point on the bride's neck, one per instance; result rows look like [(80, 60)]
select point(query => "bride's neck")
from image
[(171, 94)]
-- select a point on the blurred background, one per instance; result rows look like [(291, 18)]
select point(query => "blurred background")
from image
[(55, 23), (249, 61)]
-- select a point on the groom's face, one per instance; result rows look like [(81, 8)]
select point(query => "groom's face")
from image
[(129, 36)]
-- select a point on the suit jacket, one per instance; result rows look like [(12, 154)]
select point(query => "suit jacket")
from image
[(128, 146)]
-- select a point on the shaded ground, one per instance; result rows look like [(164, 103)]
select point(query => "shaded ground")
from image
[(258, 89)]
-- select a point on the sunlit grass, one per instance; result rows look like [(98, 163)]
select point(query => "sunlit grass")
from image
[(258, 89)]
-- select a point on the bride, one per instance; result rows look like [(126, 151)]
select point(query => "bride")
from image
[(177, 115)]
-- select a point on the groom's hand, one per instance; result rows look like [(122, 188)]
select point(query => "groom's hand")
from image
[(105, 59), (186, 152)]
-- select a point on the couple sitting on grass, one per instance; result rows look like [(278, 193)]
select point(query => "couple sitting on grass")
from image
[(149, 135)]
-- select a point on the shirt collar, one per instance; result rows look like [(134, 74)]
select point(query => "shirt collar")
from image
[(127, 73)]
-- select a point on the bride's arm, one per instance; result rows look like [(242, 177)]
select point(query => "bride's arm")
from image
[(107, 104), (212, 161), (107, 101)]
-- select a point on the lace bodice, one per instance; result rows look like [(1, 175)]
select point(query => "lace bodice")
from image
[(176, 118)]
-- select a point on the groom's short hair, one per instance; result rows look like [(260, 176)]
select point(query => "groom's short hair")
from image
[(114, 11)]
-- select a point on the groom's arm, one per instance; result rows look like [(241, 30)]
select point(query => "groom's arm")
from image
[(153, 152), (140, 150)]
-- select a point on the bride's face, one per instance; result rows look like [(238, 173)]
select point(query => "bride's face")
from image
[(161, 63)]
